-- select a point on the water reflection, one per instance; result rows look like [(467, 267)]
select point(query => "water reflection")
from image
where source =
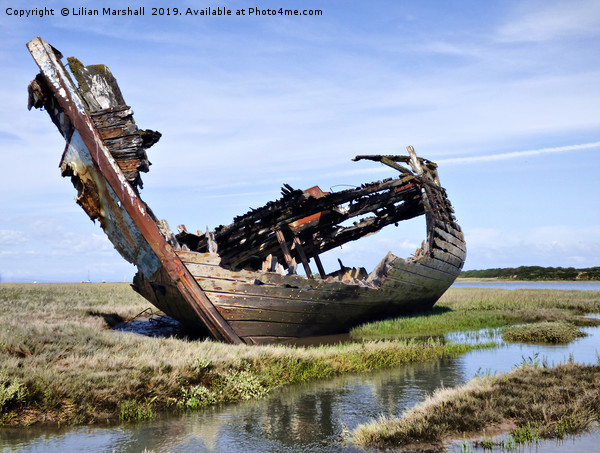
[(302, 418), (313, 417)]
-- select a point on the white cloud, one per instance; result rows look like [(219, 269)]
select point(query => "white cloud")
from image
[(12, 237), (519, 154), (556, 245), (71, 243), (546, 20)]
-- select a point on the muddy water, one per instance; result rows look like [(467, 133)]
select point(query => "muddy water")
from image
[(313, 417)]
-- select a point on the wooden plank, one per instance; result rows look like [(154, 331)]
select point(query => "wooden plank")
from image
[(427, 280), (403, 284), (114, 119), (316, 257), (455, 233), (421, 267), (279, 292), (451, 238), (300, 249), (414, 275), (202, 271), (451, 227), (117, 132), (258, 328), (362, 304), (319, 264), (445, 246), (358, 306), (311, 328), (448, 258), (127, 144), (284, 246), (410, 280), (330, 321), (447, 267), (268, 278), (442, 267), (224, 300), (235, 313), (200, 258)]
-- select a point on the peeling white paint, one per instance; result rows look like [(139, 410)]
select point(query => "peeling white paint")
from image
[(115, 217), (100, 89)]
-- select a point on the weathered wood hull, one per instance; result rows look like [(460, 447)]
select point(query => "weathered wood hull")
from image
[(266, 307), (104, 154)]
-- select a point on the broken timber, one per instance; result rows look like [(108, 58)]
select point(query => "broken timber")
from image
[(238, 282)]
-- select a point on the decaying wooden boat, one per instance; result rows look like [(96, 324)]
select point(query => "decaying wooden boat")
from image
[(239, 282)]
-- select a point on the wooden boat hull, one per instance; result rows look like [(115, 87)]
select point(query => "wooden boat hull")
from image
[(225, 294), (267, 307)]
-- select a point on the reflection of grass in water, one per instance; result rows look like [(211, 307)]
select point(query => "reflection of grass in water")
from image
[(476, 336), (538, 402), (463, 309), (61, 363)]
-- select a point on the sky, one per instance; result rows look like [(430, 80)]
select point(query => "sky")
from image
[(503, 95)]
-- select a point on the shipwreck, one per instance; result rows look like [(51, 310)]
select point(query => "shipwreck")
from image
[(239, 283)]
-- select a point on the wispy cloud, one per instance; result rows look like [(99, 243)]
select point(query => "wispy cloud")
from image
[(556, 245), (519, 154), (543, 21), (12, 237)]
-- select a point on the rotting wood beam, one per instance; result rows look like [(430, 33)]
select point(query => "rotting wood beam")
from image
[(343, 235), (299, 205), (284, 247), (283, 217), (329, 236), (315, 255), (300, 249), (238, 246)]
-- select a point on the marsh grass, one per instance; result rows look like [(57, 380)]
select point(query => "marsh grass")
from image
[(538, 402), (466, 309), (61, 363), (555, 332)]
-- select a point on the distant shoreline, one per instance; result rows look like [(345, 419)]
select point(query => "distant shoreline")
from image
[(535, 273)]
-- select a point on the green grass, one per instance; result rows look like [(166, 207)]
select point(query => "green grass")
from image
[(556, 332), (60, 363), (436, 322), (464, 309)]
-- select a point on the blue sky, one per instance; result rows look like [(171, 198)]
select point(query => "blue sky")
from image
[(504, 95)]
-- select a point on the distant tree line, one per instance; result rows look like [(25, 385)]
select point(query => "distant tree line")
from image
[(536, 273)]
